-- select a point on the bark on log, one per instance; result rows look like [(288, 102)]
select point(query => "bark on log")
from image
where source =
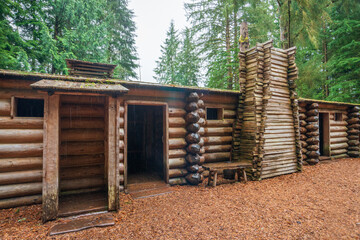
[(303, 137), (354, 154), (216, 157), (177, 173), (193, 127), (176, 112), (201, 122), (303, 130), (354, 148), (192, 106), (192, 158), (353, 121), (192, 117), (177, 181), (312, 154), (192, 138), (353, 137), (303, 144)]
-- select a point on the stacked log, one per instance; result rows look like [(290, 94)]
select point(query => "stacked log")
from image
[(120, 140), (312, 133), (194, 119), (353, 131)]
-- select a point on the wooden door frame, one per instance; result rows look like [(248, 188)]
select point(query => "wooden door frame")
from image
[(165, 108), (326, 133)]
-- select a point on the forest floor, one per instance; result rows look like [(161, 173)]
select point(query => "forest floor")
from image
[(322, 202)]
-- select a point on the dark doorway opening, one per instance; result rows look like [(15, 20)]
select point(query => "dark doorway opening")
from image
[(145, 153), (324, 134)]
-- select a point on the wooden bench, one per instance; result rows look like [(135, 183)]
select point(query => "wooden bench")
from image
[(213, 169)]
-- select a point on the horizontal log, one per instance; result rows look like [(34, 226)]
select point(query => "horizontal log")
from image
[(20, 201), (176, 122), (338, 129), (81, 160), (216, 157), (81, 172), (217, 140), (338, 140), (20, 177), (81, 148), (20, 190), (217, 148), (176, 112), (229, 114), (82, 135), (338, 146), (5, 106), (219, 123), (177, 132), (177, 181), (338, 151), (338, 134), (76, 99), (176, 143), (217, 131), (68, 110), (21, 150), (176, 153), (21, 135), (177, 173), (74, 184), (21, 123), (17, 164), (177, 163), (82, 122)]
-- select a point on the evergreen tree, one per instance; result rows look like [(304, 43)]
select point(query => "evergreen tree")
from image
[(166, 70), (188, 61)]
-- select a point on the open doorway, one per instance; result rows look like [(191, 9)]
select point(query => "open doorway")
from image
[(324, 131), (145, 144)]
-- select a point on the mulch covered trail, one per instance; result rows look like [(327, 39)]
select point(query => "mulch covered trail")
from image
[(322, 202)]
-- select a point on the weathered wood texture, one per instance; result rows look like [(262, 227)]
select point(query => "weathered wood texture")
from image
[(82, 146), (216, 134), (353, 128), (21, 149), (266, 132)]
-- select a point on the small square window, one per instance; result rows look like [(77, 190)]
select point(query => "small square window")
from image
[(214, 113), (338, 117), (26, 107)]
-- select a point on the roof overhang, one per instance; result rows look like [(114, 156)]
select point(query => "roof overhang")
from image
[(108, 88)]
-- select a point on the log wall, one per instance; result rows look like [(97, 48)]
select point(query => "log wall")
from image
[(21, 148), (82, 136), (216, 135)]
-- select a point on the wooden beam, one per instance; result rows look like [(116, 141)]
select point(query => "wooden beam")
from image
[(112, 160), (50, 189)]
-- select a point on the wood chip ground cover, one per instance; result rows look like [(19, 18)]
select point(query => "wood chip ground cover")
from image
[(322, 202)]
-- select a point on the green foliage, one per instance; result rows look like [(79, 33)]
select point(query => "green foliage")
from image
[(45, 33)]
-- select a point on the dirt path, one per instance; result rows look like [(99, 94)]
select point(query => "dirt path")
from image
[(323, 202)]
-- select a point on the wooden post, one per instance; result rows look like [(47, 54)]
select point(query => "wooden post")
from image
[(50, 190), (112, 160)]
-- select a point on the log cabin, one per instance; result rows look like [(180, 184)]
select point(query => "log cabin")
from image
[(86, 137)]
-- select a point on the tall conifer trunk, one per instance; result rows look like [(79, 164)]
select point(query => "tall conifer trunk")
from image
[(228, 51)]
